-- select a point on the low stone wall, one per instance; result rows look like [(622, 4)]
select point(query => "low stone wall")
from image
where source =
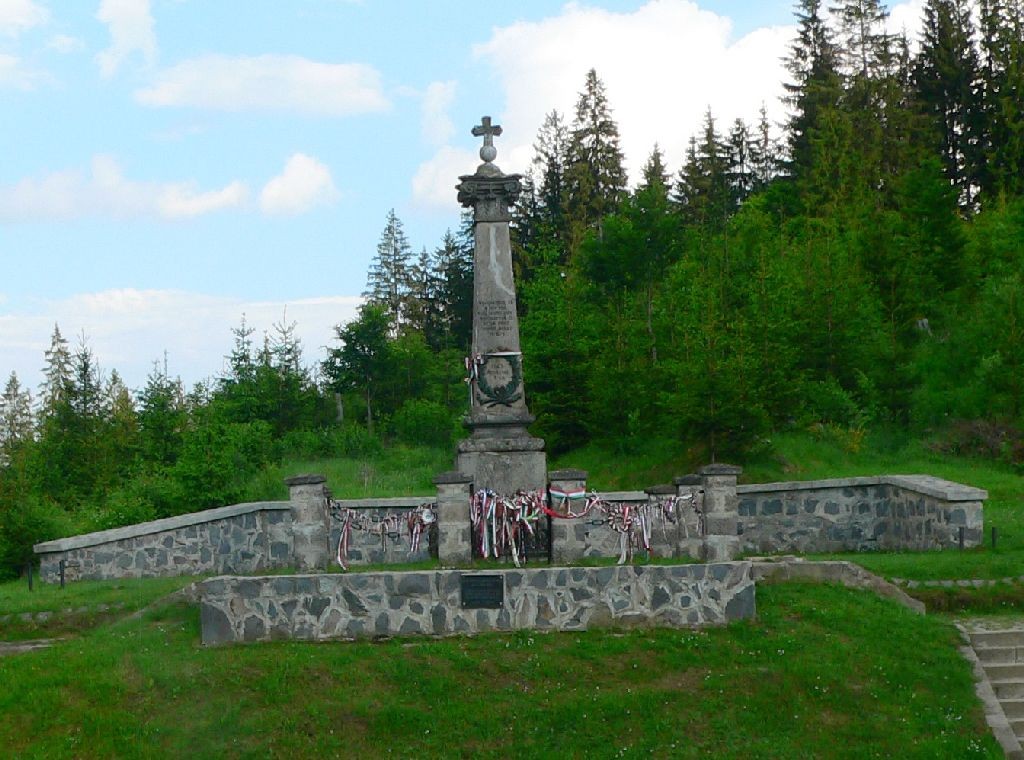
[(378, 545), (319, 607), (242, 538), (906, 512), (595, 538)]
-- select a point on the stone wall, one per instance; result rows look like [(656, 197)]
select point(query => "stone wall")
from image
[(319, 607), (597, 539), (378, 546), (242, 538), (906, 512)]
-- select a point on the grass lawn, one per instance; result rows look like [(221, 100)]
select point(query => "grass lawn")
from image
[(76, 607), (822, 672)]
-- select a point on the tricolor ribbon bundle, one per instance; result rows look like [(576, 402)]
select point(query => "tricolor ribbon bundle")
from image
[(501, 524), (416, 521), (633, 521)]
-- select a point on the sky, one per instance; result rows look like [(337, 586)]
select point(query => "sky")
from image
[(168, 166)]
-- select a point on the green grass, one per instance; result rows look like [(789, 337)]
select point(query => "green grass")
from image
[(823, 672), (396, 471), (78, 606)]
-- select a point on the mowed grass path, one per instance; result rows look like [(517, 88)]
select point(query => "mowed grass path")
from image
[(822, 672)]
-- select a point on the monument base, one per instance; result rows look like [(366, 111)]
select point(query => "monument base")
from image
[(504, 464)]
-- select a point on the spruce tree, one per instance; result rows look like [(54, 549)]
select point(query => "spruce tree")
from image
[(388, 278), (595, 178), (813, 63), (947, 78), (16, 426), (1002, 43)]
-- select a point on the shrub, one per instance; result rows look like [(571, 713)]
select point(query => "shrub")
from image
[(24, 524), (423, 423)]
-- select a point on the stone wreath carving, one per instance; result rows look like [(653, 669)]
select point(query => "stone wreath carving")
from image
[(503, 395)]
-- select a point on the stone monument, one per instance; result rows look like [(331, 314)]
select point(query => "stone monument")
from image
[(499, 454)]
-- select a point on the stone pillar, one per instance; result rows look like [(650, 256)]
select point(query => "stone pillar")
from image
[(721, 512), (311, 528), (454, 542), (499, 454), (568, 537), (691, 540)]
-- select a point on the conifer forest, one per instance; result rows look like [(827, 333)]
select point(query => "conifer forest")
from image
[(859, 266)]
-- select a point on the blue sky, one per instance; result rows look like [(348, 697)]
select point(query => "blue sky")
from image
[(169, 165)]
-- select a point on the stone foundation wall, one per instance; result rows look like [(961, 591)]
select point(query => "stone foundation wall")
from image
[(319, 607), (242, 538), (913, 512)]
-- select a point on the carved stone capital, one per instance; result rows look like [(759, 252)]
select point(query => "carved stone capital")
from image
[(489, 195)]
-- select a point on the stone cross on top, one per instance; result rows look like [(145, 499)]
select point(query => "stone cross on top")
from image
[(487, 152)]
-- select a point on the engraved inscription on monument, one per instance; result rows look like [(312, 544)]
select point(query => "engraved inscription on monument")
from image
[(495, 316)]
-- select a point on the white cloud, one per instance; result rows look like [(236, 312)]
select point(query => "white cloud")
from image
[(18, 15), (662, 65), (437, 124), (63, 43), (104, 191), (303, 184), (433, 185), (128, 329), (14, 74), (268, 82), (184, 200), (130, 23)]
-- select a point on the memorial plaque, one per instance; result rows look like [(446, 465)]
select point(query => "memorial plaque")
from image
[(483, 592)]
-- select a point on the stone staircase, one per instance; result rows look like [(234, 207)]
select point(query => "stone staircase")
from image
[(1000, 655)]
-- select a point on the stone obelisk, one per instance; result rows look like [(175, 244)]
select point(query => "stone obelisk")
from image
[(499, 454)]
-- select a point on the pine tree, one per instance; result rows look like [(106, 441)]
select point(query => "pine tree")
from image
[(388, 278), (595, 178), (1002, 43), (703, 191), (813, 62), (16, 425), (864, 43), (947, 78), (741, 173), (162, 416), (550, 159), (765, 159), (453, 270), (56, 374)]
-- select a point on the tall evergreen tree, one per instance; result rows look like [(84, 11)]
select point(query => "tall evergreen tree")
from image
[(947, 77), (56, 374), (16, 426), (704, 192), (550, 160), (1002, 43), (813, 64), (595, 178), (388, 278)]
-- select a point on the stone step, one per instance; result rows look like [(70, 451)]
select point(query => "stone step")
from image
[(1017, 727), (1012, 637), (995, 655), (1013, 708), (1009, 690), (1003, 672)]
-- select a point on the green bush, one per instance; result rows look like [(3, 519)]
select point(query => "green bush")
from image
[(422, 423), (24, 524)]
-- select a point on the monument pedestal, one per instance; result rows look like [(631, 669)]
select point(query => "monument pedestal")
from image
[(504, 464)]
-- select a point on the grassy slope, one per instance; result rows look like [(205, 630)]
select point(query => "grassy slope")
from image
[(823, 672)]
